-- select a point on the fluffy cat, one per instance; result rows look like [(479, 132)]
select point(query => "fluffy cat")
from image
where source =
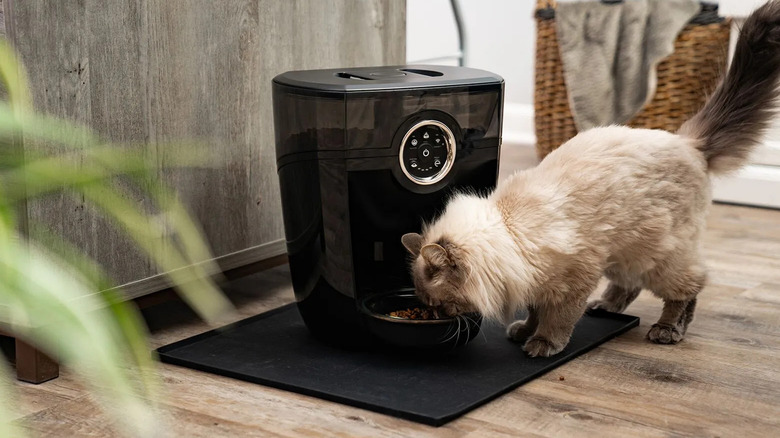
[(629, 204)]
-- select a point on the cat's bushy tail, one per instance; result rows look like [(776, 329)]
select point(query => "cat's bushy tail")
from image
[(740, 110)]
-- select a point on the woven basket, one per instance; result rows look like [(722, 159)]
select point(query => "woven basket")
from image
[(684, 80)]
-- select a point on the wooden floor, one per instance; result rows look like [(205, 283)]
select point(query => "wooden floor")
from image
[(723, 380)]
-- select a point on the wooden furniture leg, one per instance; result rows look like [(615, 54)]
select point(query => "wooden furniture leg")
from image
[(33, 366)]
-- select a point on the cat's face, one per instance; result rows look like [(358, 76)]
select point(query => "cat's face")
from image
[(439, 272)]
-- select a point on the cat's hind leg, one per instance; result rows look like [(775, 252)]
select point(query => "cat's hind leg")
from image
[(678, 291), (519, 331), (671, 327), (615, 298)]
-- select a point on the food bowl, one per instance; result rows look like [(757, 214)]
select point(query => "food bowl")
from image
[(439, 333)]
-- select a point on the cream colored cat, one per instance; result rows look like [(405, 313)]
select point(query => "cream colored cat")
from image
[(629, 204)]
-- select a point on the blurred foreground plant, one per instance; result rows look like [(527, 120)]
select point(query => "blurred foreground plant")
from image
[(57, 299)]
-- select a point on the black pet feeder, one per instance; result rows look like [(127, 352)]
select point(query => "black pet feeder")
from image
[(365, 155)]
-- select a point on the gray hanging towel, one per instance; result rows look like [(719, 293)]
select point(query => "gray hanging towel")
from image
[(610, 53)]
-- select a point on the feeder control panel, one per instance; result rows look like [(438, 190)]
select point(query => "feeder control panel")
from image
[(427, 152)]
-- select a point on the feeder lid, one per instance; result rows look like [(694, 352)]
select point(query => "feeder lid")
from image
[(362, 79)]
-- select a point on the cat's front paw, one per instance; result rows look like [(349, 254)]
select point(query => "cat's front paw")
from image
[(664, 334), (537, 346), (519, 331)]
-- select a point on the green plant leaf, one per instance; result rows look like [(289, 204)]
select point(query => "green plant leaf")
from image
[(127, 321), (58, 299), (192, 279), (52, 306)]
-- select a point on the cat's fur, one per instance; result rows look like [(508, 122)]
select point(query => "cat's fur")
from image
[(626, 203)]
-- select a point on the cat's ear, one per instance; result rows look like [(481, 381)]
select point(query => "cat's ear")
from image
[(412, 242), (435, 255)]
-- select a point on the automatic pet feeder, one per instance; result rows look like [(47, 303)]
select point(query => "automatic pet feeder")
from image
[(365, 155)]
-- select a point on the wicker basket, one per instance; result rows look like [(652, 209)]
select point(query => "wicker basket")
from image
[(684, 80)]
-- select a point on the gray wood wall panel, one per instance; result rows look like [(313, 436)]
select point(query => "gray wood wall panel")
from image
[(117, 74), (216, 110), (165, 71)]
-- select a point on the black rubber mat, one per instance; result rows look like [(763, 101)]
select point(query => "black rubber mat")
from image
[(276, 349)]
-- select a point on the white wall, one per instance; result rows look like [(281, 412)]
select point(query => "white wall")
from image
[(430, 38), (500, 37)]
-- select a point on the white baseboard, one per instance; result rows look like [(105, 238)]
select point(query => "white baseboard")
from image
[(768, 154), (519, 124), (755, 185)]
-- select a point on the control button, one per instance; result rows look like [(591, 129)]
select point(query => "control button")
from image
[(426, 136), (426, 152), (437, 162), (414, 142), (414, 164), (438, 140)]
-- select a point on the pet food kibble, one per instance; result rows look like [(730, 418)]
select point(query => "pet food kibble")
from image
[(415, 313)]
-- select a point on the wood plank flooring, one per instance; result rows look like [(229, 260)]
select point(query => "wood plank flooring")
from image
[(723, 380)]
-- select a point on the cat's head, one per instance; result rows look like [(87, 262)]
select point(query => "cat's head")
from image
[(439, 271)]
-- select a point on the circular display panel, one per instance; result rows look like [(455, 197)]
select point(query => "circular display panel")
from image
[(427, 152)]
